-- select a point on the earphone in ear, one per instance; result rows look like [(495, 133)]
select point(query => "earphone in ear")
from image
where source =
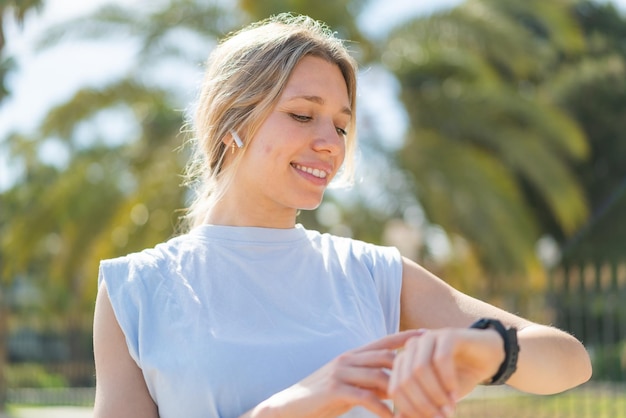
[(236, 138)]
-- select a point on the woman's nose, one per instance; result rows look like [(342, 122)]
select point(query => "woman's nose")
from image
[(328, 139)]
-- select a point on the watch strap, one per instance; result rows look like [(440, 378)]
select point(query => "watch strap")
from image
[(511, 349)]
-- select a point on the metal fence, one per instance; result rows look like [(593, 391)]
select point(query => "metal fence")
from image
[(56, 368), (589, 300)]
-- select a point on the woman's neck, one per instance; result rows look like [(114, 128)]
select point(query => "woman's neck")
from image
[(228, 213)]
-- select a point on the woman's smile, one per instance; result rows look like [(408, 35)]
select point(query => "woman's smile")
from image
[(321, 174)]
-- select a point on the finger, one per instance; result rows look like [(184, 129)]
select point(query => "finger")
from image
[(411, 401), (392, 341), (408, 360), (432, 356), (415, 378), (407, 394), (375, 379), (398, 372), (367, 369), (375, 358), (369, 401), (443, 360)]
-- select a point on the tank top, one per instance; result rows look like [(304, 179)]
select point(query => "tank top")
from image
[(221, 318)]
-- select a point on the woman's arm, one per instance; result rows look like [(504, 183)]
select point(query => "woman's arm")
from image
[(358, 377), (550, 360), (449, 359), (121, 391)]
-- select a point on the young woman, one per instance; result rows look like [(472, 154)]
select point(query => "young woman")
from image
[(249, 314)]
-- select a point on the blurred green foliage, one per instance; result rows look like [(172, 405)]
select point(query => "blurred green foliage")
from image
[(609, 362), (500, 134), (33, 375), (16, 9), (515, 130)]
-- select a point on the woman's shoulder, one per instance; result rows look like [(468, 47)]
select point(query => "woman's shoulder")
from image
[(353, 247), (153, 259)]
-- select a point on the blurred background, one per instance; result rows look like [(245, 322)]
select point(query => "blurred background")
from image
[(492, 151)]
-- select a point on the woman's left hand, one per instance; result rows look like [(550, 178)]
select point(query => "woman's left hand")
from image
[(438, 367)]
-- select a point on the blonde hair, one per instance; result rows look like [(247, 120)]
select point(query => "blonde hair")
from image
[(245, 76)]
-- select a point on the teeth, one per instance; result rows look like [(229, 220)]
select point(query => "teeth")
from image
[(313, 171)]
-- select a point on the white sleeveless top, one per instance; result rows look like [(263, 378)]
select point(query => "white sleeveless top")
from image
[(223, 317)]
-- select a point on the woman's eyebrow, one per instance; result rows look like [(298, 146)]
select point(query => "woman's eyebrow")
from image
[(320, 101)]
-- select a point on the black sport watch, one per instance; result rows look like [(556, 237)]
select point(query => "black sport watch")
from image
[(511, 349)]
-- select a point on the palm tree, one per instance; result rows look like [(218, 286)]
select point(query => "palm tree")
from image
[(484, 141), (592, 89), (109, 197), (19, 9)]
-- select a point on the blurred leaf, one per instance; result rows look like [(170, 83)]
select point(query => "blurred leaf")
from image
[(340, 15), (485, 144), (18, 9)]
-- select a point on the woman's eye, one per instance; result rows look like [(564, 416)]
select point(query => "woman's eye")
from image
[(341, 131), (300, 118)]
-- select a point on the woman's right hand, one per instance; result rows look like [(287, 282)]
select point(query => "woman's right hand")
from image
[(357, 377)]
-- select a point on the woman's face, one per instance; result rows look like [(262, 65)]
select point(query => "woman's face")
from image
[(300, 146)]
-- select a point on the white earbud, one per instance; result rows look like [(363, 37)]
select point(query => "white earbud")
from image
[(238, 140)]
